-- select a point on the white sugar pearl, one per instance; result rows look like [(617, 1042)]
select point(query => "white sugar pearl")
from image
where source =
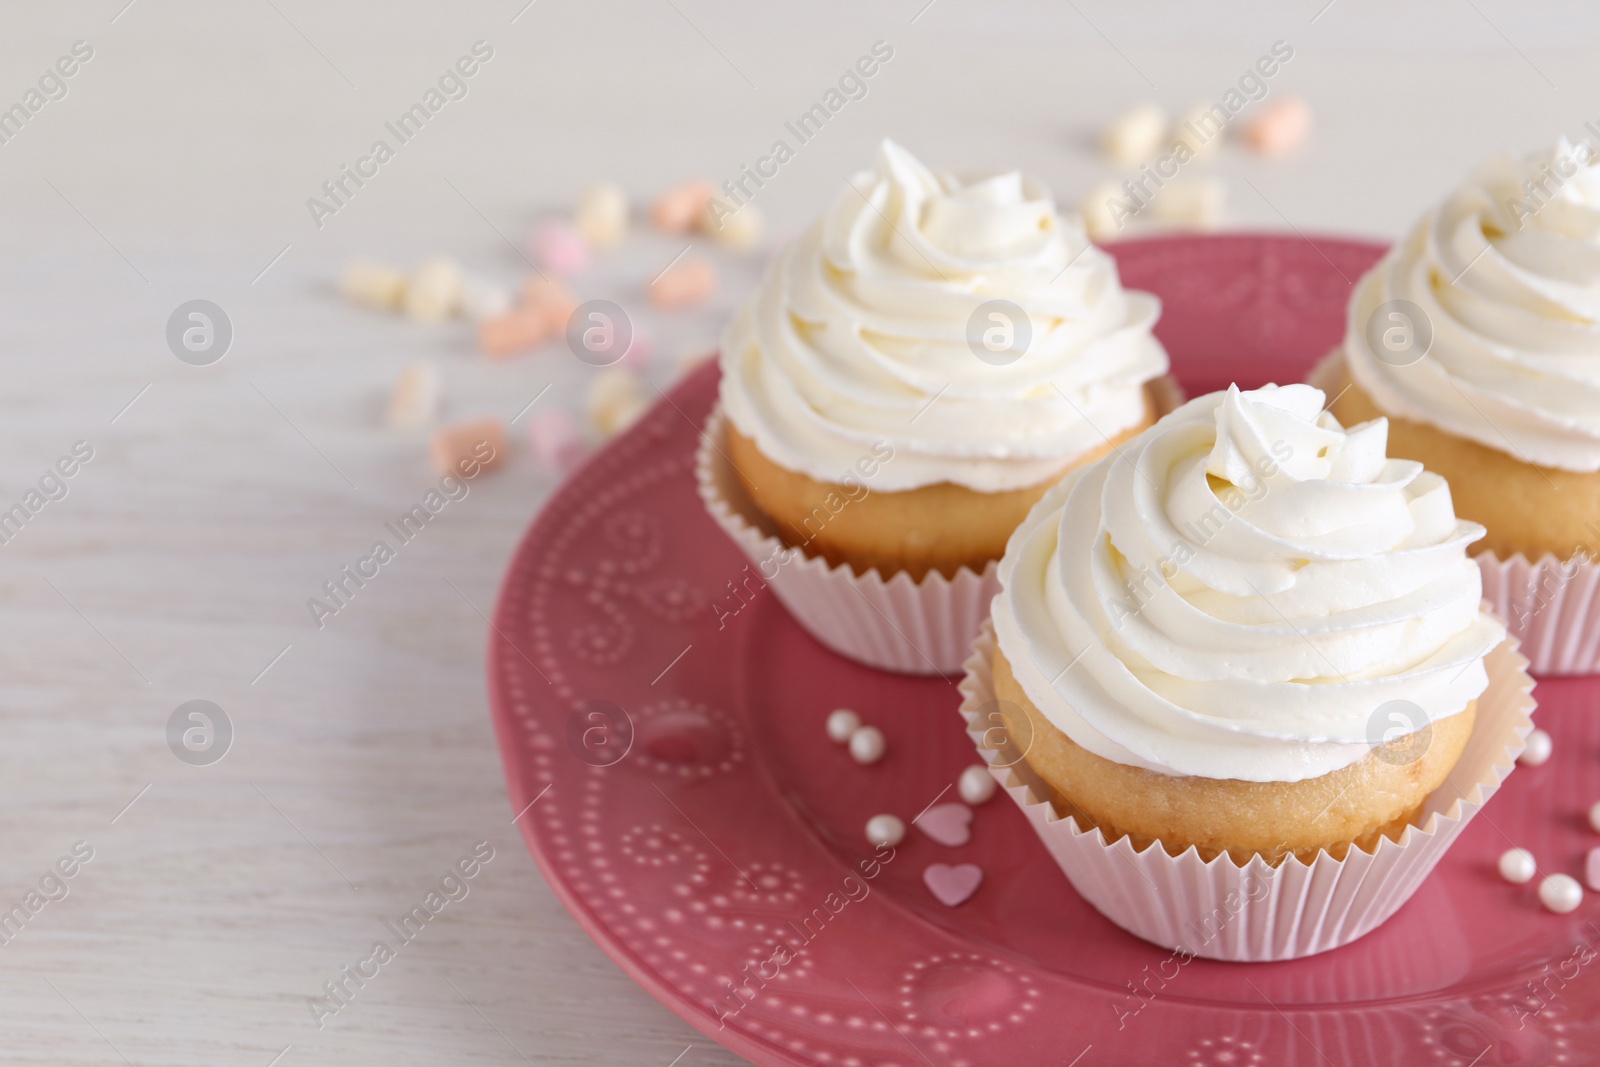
[(1560, 893), (976, 784), (415, 400), (1594, 817), (1518, 866), (1537, 750), (842, 722), (434, 292), (867, 745), (885, 830)]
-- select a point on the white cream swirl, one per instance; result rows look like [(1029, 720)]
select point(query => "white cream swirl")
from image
[(1239, 590), (1506, 272), (858, 334)]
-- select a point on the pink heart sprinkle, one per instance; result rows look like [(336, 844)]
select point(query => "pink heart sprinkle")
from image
[(948, 824), (1591, 870), (952, 885)]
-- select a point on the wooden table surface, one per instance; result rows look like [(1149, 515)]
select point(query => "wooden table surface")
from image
[(178, 563)]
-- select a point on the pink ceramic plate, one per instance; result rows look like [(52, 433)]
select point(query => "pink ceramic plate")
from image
[(630, 629)]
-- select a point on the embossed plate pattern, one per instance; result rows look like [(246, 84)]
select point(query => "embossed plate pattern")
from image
[(629, 626)]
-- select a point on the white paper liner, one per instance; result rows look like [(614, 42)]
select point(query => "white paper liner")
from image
[(1258, 913), (924, 627), (1552, 606), (902, 625)]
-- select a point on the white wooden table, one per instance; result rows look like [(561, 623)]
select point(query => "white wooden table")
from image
[(219, 498)]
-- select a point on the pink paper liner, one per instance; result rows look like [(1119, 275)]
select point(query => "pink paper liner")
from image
[(924, 627), (1258, 913), (1552, 606)]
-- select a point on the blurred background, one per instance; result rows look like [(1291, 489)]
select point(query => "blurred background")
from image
[(176, 162)]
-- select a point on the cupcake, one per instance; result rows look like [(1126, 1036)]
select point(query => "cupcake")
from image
[(918, 367), (1249, 639), (1242, 620), (1477, 336), (912, 374)]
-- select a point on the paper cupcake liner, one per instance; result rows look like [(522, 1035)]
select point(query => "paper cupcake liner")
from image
[(924, 627), (1258, 913), (894, 624), (1550, 605)]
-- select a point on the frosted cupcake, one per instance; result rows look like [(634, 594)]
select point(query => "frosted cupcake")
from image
[(911, 376), (926, 360), (1257, 635), (1478, 335), (1240, 681)]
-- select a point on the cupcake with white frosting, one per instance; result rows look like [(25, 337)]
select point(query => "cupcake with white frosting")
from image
[(1478, 335), (1248, 642), (918, 368)]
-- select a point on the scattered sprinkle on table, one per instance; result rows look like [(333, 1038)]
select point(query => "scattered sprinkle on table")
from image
[(1135, 136), (373, 284), (433, 292), (415, 400), (616, 399), (678, 209), (1280, 127), (684, 284), (560, 247), (602, 214)]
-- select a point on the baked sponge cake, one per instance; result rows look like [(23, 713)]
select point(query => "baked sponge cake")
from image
[(1249, 630)]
